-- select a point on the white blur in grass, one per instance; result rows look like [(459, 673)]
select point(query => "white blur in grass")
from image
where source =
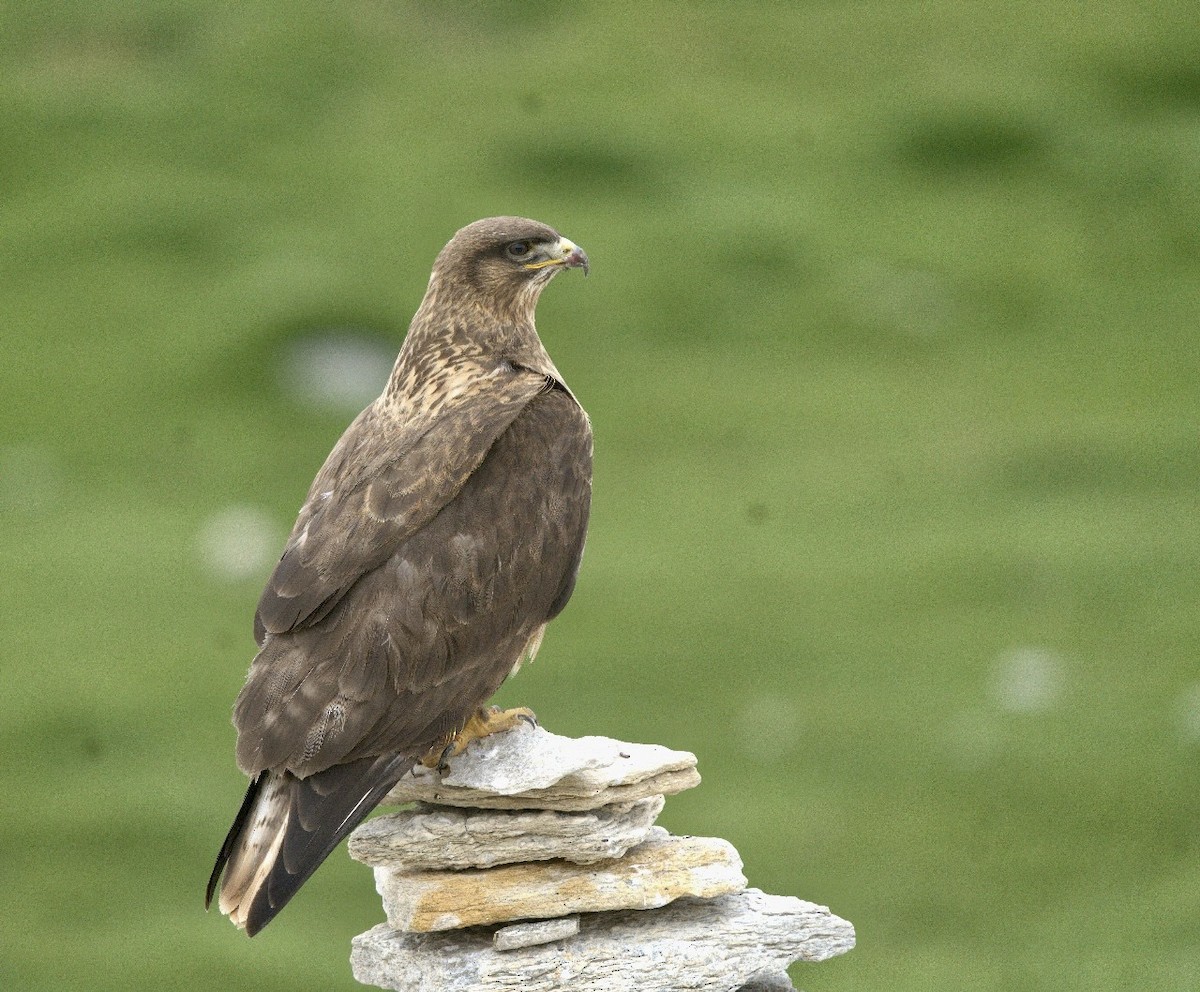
[(31, 478), (340, 370), (1187, 713), (769, 727), (1028, 680), (238, 543), (899, 299)]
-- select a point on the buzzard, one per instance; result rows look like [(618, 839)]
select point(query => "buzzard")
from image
[(442, 534)]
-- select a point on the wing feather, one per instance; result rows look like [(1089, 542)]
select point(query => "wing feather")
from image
[(383, 481), (417, 643)]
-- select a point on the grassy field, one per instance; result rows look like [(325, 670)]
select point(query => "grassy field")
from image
[(890, 346)]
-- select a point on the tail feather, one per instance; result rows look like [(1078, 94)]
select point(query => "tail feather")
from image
[(231, 837), (285, 829)]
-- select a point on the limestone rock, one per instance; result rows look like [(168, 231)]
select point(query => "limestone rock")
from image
[(531, 768), (441, 837), (708, 945), (654, 873), (769, 981), (538, 932)]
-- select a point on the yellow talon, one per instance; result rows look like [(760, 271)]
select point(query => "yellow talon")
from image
[(484, 722)]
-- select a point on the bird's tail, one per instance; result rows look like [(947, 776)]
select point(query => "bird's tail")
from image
[(286, 827)]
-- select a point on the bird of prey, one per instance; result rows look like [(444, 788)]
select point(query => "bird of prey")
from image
[(442, 534)]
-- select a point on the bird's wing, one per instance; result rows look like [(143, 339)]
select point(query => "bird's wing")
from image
[(416, 644), (383, 481)]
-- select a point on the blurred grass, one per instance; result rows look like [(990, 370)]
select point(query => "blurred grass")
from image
[(890, 349)]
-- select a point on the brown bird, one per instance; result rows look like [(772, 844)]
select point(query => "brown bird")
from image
[(442, 534)]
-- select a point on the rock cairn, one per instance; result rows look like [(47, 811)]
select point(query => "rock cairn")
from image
[(532, 862)]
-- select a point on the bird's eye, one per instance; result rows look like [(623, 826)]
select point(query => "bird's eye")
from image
[(519, 249)]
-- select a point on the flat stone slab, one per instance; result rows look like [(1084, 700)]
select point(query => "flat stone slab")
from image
[(538, 932), (769, 981), (656, 872), (531, 768), (439, 837), (713, 945)]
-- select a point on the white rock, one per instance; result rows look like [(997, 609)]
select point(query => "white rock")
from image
[(708, 945), (531, 768), (769, 981), (654, 873), (539, 932), (438, 837)]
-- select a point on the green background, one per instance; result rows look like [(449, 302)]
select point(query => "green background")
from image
[(890, 347)]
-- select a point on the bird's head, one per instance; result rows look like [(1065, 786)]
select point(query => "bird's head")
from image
[(507, 260)]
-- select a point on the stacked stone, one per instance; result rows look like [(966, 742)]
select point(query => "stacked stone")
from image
[(532, 862)]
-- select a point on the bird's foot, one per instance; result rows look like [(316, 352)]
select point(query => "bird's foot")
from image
[(484, 722)]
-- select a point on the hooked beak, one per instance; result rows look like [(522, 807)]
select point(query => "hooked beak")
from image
[(565, 253)]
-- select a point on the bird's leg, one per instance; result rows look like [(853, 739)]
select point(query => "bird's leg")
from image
[(484, 722)]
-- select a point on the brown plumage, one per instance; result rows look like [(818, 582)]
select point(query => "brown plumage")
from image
[(442, 534)]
